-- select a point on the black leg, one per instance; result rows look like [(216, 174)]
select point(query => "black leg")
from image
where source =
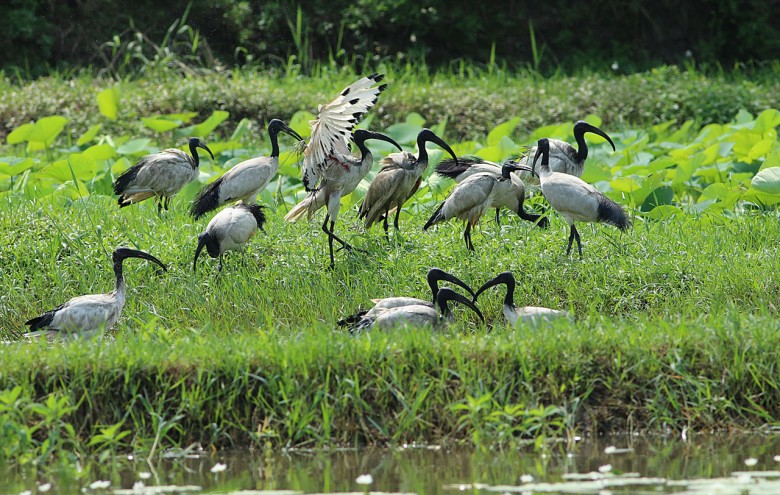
[(159, 207), (387, 227), (219, 268), (572, 230), (577, 236), (498, 218), (397, 214), (467, 237), (167, 202)]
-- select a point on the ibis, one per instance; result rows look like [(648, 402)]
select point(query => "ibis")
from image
[(336, 181), (515, 314), (414, 315), (331, 130), (574, 199), (435, 275), (471, 199), (229, 230), (160, 174), (86, 316), (398, 180), (564, 158), (247, 179)]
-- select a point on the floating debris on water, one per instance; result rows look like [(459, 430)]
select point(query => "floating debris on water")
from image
[(364, 479), (614, 450), (140, 489), (100, 484), (751, 461), (218, 467), (44, 488)]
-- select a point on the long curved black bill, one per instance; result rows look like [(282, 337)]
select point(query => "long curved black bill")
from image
[(581, 127), (446, 294), (124, 253), (436, 274), (428, 135), (201, 242), (501, 278)]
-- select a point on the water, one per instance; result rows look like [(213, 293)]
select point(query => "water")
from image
[(615, 465)]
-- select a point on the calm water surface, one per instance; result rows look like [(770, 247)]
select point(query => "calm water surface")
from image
[(711, 464)]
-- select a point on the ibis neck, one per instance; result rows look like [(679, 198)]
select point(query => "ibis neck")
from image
[(365, 153), (274, 135), (509, 297), (195, 159), (120, 286), (582, 147), (422, 154)]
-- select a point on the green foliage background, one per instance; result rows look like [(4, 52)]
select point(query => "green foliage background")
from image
[(42, 34)]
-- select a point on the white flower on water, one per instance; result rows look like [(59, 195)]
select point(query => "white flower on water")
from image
[(776, 458), (605, 468), (751, 461), (44, 487), (99, 484), (615, 65), (144, 475), (138, 486), (364, 479), (218, 467), (26, 492), (526, 478)]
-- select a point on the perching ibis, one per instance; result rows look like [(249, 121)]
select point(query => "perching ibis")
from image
[(474, 196), (336, 181), (247, 179), (229, 230), (574, 199), (515, 314), (564, 158), (160, 174), (398, 180), (414, 315), (330, 132), (86, 316), (435, 275)]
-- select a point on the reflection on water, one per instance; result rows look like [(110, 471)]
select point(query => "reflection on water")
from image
[(430, 470)]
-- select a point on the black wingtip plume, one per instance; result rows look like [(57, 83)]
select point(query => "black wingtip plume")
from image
[(207, 200), (451, 168), (612, 213)]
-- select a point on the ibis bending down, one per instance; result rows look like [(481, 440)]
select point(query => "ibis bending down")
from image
[(338, 180), (330, 132), (247, 179), (86, 316), (471, 199), (413, 315), (564, 158), (575, 199), (229, 230), (160, 174), (398, 180), (515, 314), (435, 275)]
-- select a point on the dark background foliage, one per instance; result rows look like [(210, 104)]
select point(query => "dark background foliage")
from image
[(44, 34)]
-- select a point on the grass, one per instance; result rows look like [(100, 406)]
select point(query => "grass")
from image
[(676, 327), (471, 100)]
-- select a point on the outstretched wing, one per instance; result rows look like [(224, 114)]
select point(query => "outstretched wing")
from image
[(331, 132)]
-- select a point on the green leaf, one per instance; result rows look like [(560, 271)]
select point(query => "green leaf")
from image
[(160, 125), (83, 167), (241, 129), (766, 120), (415, 118), (16, 166), (502, 130), (134, 147), (300, 123), (19, 135), (89, 135), (767, 180), (100, 152), (46, 130), (663, 212), (205, 127), (660, 196), (108, 102), (404, 133)]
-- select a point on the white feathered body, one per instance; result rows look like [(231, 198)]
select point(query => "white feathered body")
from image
[(247, 179), (392, 186), (532, 314), (84, 316), (160, 174), (573, 198), (330, 132), (233, 227)]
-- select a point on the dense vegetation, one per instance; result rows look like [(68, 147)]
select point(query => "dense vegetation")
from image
[(41, 34)]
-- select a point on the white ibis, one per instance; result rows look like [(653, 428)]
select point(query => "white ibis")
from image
[(398, 180), (86, 316), (435, 275), (247, 179), (229, 230), (515, 314), (564, 158), (331, 131), (474, 196), (575, 199), (336, 181), (160, 174), (414, 315)]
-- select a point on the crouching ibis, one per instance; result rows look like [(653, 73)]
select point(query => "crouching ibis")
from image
[(474, 196), (515, 314), (398, 180), (89, 315), (247, 179), (413, 315), (229, 230), (574, 199), (336, 181)]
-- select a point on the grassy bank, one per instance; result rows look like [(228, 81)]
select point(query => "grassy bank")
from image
[(471, 101), (676, 327)]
